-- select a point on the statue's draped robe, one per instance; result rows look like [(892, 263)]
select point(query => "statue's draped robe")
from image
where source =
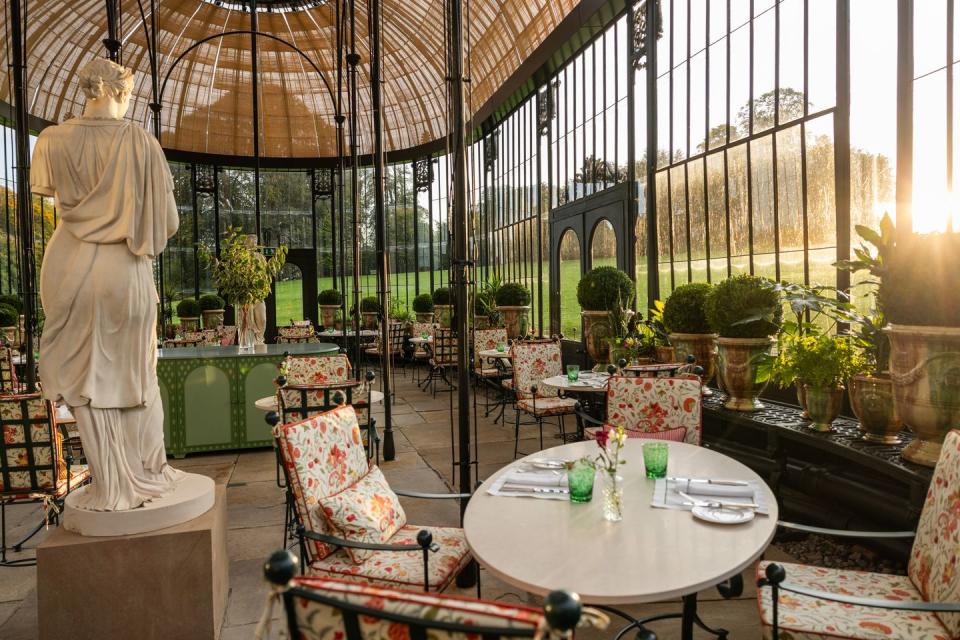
[(114, 196)]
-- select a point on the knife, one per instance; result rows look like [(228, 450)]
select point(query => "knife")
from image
[(506, 489), (718, 503), (728, 483)]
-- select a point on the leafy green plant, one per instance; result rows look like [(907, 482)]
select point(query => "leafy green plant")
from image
[(399, 312), (655, 323), (370, 304), (9, 317), (442, 296), (744, 306), (330, 297), (12, 300), (603, 288), (821, 361), (513, 294), (211, 302), (683, 310), (242, 273), (637, 341), (188, 308), (423, 303)]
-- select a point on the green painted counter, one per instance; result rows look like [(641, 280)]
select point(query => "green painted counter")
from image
[(209, 393)]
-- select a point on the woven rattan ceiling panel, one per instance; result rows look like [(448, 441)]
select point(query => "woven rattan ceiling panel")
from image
[(207, 102)]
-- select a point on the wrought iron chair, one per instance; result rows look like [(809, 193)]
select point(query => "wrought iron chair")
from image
[(227, 335), (327, 607), (533, 361), (33, 466), (182, 343), (798, 601), (443, 357), (412, 557), (653, 408), (8, 372), (422, 353), (486, 373)]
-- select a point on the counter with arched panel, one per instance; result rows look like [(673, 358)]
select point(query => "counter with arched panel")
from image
[(208, 394)]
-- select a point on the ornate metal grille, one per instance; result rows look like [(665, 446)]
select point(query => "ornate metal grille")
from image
[(322, 183), (422, 173), (640, 34), (204, 178)]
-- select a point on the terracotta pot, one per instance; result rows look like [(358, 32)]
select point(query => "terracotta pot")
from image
[(925, 370), (10, 336), (190, 324), (824, 406), (666, 354), (703, 348), (516, 319), (425, 317), (872, 402), (481, 322), (597, 333), (212, 318), (802, 398), (328, 316), (370, 319), (737, 370), (443, 314)]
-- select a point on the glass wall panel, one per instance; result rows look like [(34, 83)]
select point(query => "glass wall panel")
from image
[(569, 277)]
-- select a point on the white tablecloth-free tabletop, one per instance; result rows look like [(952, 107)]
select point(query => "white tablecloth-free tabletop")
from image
[(337, 333), (270, 402), (652, 554), (494, 354), (419, 340), (597, 384)]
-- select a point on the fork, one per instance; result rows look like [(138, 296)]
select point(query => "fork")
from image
[(718, 503)]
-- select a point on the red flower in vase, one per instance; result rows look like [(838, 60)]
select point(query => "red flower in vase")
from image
[(602, 437)]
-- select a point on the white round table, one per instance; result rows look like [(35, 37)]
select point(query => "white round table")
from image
[(493, 354), (562, 383), (418, 340), (653, 554), (270, 402), (364, 333)]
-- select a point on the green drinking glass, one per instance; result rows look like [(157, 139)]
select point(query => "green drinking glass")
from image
[(655, 459), (501, 347), (424, 335), (580, 481), (573, 372)]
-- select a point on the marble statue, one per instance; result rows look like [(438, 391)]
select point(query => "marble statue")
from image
[(98, 352)]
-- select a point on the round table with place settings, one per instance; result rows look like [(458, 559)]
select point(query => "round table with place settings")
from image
[(269, 403)]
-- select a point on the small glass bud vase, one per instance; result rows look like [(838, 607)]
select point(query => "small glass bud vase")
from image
[(612, 497)]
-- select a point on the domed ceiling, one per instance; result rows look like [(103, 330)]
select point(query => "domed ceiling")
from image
[(207, 102)]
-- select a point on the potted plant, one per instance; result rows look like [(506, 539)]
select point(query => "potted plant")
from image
[(370, 310), (919, 281), (663, 351), (513, 303), (601, 291), (745, 312), (9, 322), (244, 276), (330, 301), (211, 308), (636, 346), (188, 310), (443, 306), (423, 307), (689, 331)]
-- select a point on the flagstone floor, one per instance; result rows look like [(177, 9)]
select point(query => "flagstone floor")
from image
[(423, 462)]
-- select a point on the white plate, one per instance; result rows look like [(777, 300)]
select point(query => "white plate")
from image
[(722, 515), (548, 463)]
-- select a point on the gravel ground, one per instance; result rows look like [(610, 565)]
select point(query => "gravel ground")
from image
[(830, 552)]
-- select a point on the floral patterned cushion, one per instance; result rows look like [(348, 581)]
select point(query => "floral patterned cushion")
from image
[(532, 362), (323, 455), (936, 549), (317, 620), (296, 331), (32, 458), (8, 373), (303, 370), (655, 404), (402, 568), (368, 511), (802, 617), (673, 435), (484, 340), (547, 406)]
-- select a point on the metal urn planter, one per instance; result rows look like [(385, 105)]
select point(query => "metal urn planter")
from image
[(823, 406), (425, 317), (925, 370), (212, 318), (370, 319), (443, 314), (703, 348), (872, 401), (597, 333), (737, 370), (516, 320)]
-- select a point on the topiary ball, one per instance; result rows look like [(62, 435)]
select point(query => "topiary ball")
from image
[(12, 300), (744, 306), (330, 297), (442, 296), (683, 310), (188, 308), (9, 317), (211, 302), (513, 294), (423, 303), (605, 289), (370, 304)]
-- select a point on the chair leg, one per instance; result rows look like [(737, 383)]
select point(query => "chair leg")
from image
[(516, 435), (540, 425)]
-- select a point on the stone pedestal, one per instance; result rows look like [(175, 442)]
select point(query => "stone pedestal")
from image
[(164, 584)]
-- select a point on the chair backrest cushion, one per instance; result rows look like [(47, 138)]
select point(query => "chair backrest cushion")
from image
[(654, 405), (301, 370), (935, 556), (532, 362), (367, 511), (445, 346), (31, 449), (323, 455), (326, 619), (484, 340), (8, 373), (296, 331)]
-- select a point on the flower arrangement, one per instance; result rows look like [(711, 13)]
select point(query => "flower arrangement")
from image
[(242, 273), (638, 341), (610, 442)]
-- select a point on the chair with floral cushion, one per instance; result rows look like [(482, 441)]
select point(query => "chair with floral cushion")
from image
[(652, 408), (320, 607), (443, 358), (799, 601), (227, 335), (533, 361), (350, 523), (421, 353), (488, 373), (33, 467), (297, 334), (8, 372)]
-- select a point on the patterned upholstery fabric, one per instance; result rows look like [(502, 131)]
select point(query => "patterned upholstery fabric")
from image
[(318, 620), (296, 331), (323, 456), (936, 549), (652, 405), (532, 362), (301, 323), (547, 406), (804, 618), (307, 370), (228, 335), (673, 435), (484, 340), (8, 373), (402, 568), (368, 511)]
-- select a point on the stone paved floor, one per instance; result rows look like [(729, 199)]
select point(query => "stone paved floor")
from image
[(423, 462)]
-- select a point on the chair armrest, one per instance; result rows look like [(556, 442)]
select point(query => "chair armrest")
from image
[(432, 496), (586, 417), (843, 533), (352, 544), (325, 386)]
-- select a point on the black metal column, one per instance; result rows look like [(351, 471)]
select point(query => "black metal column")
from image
[(353, 59), (112, 42), (255, 90), (341, 191), (904, 116), (650, 37), (632, 209), (24, 198), (841, 133)]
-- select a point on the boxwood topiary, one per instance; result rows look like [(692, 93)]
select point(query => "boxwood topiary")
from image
[(513, 294), (370, 304), (683, 310), (605, 289), (330, 297), (12, 300), (211, 302), (423, 303), (188, 308), (744, 306), (9, 317), (442, 296)]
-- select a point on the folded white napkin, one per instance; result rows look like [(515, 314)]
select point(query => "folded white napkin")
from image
[(533, 483), (536, 478), (694, 488), (666, 493)]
